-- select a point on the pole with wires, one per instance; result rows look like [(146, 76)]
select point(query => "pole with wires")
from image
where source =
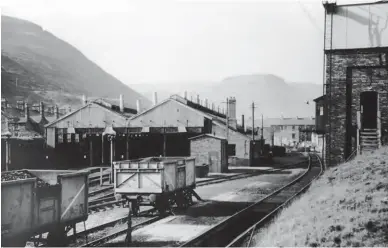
[(253, 121)]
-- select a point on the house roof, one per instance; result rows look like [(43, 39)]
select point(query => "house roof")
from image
[(96, 102), (320, 98), (298, 121), (207, 135)]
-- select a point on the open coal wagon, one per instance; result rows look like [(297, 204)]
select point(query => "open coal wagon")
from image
[(35, 202), (161, 182)]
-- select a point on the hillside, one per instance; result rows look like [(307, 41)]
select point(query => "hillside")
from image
[(273, 95), (346, 207), (46, 65)]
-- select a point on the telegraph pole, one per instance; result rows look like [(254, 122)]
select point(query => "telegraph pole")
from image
[(227, 119), (262, 126), (253, 121)]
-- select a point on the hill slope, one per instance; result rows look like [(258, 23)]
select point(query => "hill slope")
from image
[(273, 95), (347, 206), (43, 62)]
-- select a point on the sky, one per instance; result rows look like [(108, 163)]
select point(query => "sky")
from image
[(145, 41)]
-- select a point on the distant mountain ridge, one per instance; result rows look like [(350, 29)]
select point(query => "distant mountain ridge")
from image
[(273, 95), (45, 65)]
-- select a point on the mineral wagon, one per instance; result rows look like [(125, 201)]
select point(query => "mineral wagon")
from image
[(35, 202), (156, 181)]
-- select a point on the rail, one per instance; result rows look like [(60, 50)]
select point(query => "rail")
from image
[(220, 234), (251, 230)]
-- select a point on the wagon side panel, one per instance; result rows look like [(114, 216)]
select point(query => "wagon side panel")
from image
[(181, 177), (170, 176), (190, 172), (17, 202), (74, 197), (138, 181)]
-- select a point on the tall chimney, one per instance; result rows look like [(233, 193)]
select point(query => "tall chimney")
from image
[(185, 94), (213, 106), (218, 109), (84, 101), (155, 98), (198, 101), (121, 103), (243, 122), (138, 106), (232, 112), (206, 103), (26, 111), (41, 110), (56, 111)]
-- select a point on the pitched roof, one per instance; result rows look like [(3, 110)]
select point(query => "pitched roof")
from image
[(320, 98), (291, 121), (95, 102), (207, 135), (217, 118)]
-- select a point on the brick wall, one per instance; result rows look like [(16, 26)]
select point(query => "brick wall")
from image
[(338, 75), (202, 147)]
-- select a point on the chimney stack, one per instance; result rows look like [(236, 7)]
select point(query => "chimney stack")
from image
[(185, 95), (26, 111), (155, 98), (121, 103), (198, 101), (84, 101), (56, 111), (138, 106), (218, 109), (232, 112), (206, 103), (41, 110), (213, 106)]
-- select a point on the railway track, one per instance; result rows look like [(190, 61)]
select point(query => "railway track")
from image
[(83, 239), (240, 227), (104, 198)]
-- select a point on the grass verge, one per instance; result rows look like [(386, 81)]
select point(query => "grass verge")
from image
[(347, 206)]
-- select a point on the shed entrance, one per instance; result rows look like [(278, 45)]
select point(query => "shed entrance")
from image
[(369, 107)]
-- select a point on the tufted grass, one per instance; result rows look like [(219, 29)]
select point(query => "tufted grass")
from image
[(347, 206)]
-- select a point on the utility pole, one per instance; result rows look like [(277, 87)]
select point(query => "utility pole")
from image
[(227, 119), (262, 126), (253, 121)]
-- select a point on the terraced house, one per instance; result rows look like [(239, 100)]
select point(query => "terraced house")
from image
[(356, 79)]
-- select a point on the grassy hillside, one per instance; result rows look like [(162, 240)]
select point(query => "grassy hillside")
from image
[(42, 62), (347, 206)]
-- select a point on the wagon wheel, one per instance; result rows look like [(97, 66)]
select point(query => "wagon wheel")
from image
[(57, 238), (178, 200), (189, 198)]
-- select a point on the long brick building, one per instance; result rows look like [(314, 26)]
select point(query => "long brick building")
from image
[(356, 79)]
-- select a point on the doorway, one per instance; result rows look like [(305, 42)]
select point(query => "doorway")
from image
[(369, 107)]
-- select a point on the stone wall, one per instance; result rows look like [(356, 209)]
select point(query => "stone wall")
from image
[(338, 75)]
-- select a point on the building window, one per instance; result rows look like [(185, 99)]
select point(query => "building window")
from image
[(60, 138), (77, 138), (293, 136), (293, 127), (231, 149), (321, 111)]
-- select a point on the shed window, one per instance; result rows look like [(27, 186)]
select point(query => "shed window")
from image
[(321, 111), (68, 138), (293, 136), (60, 138), (77, 138)]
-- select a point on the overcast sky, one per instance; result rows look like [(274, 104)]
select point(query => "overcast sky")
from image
[(164, 41)]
